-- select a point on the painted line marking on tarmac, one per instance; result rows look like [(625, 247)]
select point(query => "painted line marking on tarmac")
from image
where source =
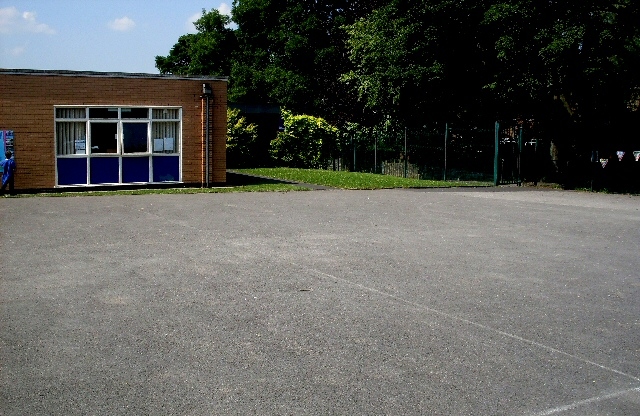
[(579, 403), (466, 321)]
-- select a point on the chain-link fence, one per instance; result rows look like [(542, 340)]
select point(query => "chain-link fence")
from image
[(439, 152)]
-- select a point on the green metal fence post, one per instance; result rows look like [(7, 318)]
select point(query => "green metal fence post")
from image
[(354, 153), (446, 136), (535, 162), (520, 145), (375, 152), (406, 156), (495, 157)]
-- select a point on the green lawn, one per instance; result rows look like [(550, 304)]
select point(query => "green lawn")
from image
[(342, 180), (352, 180)]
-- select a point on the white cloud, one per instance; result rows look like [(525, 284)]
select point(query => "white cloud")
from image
[(123, 24), (189, 26), (224, 9), (17, 51), (12, 21)]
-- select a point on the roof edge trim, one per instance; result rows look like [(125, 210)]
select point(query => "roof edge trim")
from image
[(66, 73)]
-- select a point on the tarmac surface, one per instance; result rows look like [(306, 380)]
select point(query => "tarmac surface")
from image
[(391, 302)]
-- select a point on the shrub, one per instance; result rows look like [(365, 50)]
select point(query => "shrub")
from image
[(306, 142), (242, 138)]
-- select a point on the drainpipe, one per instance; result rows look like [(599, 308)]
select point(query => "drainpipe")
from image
[(206, 93)]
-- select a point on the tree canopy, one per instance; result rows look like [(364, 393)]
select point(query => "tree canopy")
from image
[(207, 52), (293, 53), (580, 52), (418, 60), (572, 62)]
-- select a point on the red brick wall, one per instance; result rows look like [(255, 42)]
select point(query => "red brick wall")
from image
[(27, 107)]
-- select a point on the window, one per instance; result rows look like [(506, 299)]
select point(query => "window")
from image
[(102, 112), (165, 130), (72, 138), (134, 137), (134, 113), (104, 137), (71, 131), (117, 144), (164, 137), (71, 113)]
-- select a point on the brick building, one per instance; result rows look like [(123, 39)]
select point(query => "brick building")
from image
[(88, 129)]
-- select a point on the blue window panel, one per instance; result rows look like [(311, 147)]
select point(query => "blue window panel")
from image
[(166, 168), (105, 170), (72, 171), (135, 169)]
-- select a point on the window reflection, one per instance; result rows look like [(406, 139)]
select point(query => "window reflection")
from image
[(134, 137)]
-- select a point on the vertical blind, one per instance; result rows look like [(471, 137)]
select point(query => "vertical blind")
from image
[(68, 133), (167, 132), (71, 112)]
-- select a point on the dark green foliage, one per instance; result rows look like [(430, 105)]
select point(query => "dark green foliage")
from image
[(418, 60), (571, 66), (522, 58), (582, 53), (242, 140), (292, 53)]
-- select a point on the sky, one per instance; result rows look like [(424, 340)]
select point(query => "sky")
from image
[(95, 35)]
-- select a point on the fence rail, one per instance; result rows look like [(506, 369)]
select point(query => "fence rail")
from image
[(504, 153)]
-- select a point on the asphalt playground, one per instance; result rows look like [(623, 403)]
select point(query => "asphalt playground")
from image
[(325, 302)]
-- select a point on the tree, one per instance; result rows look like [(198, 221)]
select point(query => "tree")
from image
[(283, 52), (295, 55), (445, 56), (570, 65), (583, 54), (207, 52), (418, 60)]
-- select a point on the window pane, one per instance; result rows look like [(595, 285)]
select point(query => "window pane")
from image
[(134, 112), (165, 136), (134, 137), (166, 113), (71, 138), (104, 170), (135, 169), (103, 112), (104, 137), (72, 171), (71, 113), (166, 168)]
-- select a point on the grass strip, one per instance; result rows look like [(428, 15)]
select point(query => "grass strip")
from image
[(178, 191), (353, 180)]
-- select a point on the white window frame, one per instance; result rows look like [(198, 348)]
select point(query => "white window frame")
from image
[(120, 154)]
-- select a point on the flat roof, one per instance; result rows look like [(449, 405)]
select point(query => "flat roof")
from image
[(65, 73)]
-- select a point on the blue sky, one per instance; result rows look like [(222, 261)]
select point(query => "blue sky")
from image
[(95, 35)]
